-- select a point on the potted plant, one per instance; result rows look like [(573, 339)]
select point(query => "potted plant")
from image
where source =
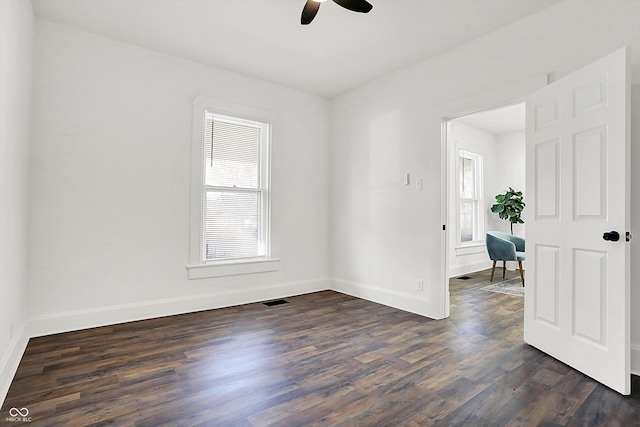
[(509, 206)]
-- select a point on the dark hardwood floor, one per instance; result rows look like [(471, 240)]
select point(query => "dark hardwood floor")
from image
[(323, 359)]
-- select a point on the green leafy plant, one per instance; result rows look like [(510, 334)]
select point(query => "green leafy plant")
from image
[(509, 206)]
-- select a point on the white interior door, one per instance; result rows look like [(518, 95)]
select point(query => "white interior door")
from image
[(577, 289)]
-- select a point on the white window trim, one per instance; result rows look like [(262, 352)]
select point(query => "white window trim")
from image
[(480, 200), (471, 248), (198, 268)]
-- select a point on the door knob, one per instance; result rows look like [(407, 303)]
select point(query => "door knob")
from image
[(612, 236)]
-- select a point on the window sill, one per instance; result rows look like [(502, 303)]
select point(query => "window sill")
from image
[(472, 248), (232, 268)]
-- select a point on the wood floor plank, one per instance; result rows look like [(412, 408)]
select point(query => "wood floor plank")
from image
[(323, 359)]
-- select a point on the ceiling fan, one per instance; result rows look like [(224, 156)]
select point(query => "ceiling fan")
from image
[(311, 8)]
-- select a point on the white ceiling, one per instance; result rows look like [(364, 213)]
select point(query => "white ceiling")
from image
[(497, 121), (340, 50)]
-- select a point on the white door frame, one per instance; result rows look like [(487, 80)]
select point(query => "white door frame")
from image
[(500, 97)]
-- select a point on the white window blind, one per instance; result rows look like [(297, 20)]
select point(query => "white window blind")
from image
[(470, 190), (235, 198)]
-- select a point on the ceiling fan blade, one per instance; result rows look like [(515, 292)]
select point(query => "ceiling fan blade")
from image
[(309, 12), (355, 5)]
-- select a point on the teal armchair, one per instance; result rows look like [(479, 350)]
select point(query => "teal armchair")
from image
[(505, 247)]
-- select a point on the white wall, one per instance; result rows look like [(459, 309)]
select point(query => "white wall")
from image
[(16, 51), (110, 181), (467, 259), (510, 159), (383, 241)]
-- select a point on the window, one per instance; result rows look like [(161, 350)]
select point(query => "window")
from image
[(230, 193), (470, 197), (235, 190)]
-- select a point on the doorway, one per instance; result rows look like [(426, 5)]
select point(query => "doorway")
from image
[(577, 162), (485, 157)]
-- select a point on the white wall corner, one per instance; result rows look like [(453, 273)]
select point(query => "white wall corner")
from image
[(635, 359), (399, 300), (9, 364)]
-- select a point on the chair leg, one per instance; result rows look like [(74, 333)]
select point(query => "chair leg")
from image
[(493, 270), (521, 272), (504, 268)]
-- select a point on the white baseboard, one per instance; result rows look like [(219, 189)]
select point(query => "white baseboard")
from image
[(399, 300), (91, 318), (459, 270), (9, 364)]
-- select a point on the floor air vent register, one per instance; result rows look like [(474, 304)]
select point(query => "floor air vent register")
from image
[(276, 302)]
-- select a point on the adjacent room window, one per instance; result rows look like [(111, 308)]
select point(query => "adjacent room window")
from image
[(230, 191), (470, 197)]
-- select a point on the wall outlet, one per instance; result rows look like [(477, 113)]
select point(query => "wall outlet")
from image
[(419, 184), (420, 285)]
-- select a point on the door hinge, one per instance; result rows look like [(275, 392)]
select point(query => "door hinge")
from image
[(628, 236), (444, 227)]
